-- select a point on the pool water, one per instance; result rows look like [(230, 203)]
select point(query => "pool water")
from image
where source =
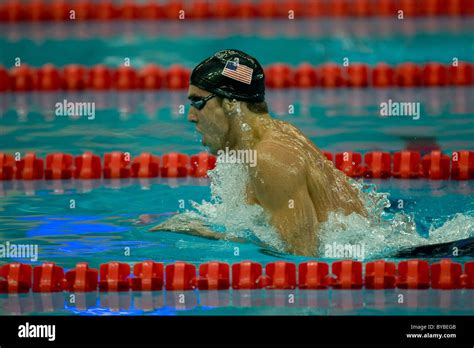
[(105, 223)]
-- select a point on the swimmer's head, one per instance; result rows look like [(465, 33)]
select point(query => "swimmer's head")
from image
[(228, 84)]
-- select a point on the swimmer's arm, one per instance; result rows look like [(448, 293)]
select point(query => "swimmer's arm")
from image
[(181, 223), (280, 188)]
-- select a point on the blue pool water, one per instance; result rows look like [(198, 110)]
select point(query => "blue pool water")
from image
[(105, 221)]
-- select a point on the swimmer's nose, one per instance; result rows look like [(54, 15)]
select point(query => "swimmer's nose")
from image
[(192, 117)]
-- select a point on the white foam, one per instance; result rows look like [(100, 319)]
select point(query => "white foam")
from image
[(228, 208), (383, 233)]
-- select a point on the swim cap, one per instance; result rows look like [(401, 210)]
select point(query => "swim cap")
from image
[(231, 74)]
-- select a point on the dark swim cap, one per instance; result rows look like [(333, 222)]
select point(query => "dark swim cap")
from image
[(231, 74)]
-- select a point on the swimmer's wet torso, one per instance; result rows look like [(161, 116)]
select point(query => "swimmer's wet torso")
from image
[(290, 179)]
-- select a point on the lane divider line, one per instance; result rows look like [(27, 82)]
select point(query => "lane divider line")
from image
[(405, 164), (182, 276)]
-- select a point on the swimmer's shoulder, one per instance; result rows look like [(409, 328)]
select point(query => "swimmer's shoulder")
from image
[(276, 167), (277, 162)]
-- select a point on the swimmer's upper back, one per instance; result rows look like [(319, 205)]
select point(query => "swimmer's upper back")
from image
[(329, 188)]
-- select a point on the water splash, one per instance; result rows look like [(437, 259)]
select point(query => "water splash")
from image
[(228, 211), (382, 233)]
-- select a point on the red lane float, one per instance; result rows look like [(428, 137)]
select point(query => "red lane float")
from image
[(305, 76), (48, 278), (7, 166), (357, 75), (408, 75), (410, 8), (328, 155), (246, 9), (106, 10), (116, 165), (87, 166), (223, 9), (22, 79), (378, 165), (269, 9), (152, 10), (330, 75), (434, 74), (380, 275), (177, 77), (467, 279), (12, 11), (4, 79), (406, 164), (361, 8), (462, 74), (100, 78), (48, 78), (148, 276), (15, 278), (82, 278), (350, 163), (247, 275), (172, 9), (199, 9), (436, 165), (313, 275), (413, 274), (84, 10), (279, 76), (180, 276), (130, 10), (201, 163), (125, 78), (30, 167), (338, 8), (348, 275), (59, 11), (146, 166), (58, 166), (114, 276), (175, 165), (315, 9), (280, 275), (74, 77), (214, 276), (385, 8), (383, 75), (151, 77), (462, 165), (446, 275)]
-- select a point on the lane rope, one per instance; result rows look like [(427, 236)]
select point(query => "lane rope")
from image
[(405, 164), (107, 10), (181, 276), (76, 77)]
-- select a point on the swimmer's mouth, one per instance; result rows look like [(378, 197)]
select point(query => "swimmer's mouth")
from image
[(200, 132)]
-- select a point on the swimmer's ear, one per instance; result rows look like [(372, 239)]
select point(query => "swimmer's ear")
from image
[(231, 106)]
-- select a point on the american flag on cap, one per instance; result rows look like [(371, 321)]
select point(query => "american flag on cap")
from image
[(238, 72)]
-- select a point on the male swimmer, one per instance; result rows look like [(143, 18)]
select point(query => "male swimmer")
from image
[(292, 180)]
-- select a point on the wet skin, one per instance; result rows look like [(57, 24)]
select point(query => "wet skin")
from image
[(292, 181)]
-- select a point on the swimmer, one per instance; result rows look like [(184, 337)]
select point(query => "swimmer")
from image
[(291, 178)]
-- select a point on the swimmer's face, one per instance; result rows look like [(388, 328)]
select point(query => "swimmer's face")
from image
[(211, 121)]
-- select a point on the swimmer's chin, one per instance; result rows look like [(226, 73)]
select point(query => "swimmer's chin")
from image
[(211, 150)]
